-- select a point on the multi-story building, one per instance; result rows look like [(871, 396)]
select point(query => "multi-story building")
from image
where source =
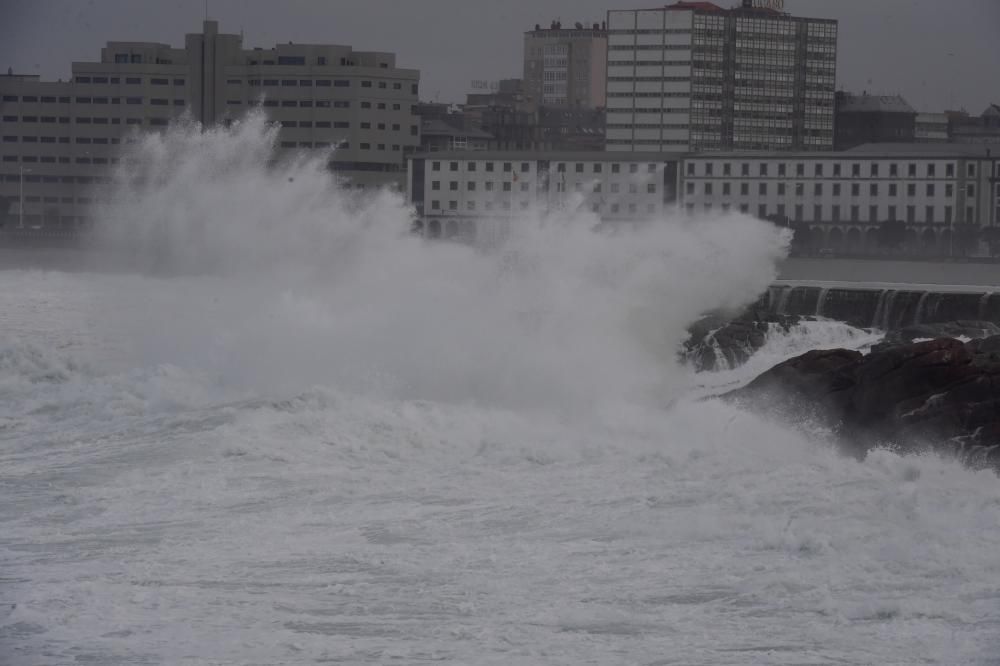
[(62, 135), (931, 128), (694, 76), (475, 195), (841, 199), (872, 119), (565, 66)]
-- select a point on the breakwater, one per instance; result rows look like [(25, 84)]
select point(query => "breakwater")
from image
[(883, 306)]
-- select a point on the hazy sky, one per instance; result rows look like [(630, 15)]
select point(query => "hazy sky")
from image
[(936, 53)]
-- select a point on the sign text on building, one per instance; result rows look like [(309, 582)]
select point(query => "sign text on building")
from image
[(777, 5)]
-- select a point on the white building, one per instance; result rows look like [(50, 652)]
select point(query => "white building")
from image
[(474, 195), (694, 76), (842, 198), (62, 135)]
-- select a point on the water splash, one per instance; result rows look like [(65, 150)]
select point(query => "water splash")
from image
[(283, 279)]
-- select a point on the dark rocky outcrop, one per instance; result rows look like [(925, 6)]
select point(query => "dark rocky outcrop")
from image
[(717, 341), (941, 393), (950, 329)]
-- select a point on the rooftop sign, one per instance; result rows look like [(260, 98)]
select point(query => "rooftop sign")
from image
[(777, 5)]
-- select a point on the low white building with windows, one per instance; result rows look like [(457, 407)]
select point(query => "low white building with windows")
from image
[(474, 195), (840, 199)]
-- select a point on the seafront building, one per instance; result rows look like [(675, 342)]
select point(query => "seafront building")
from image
[(693, 76), (840, 199), (61, 136)]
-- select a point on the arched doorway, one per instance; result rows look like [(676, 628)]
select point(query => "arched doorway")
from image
[(854, 240), (835, 239), (450, 229), (434, 229)]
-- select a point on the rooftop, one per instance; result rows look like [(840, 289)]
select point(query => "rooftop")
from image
[(865, 103)]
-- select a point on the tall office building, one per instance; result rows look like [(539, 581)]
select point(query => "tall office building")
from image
[(693, 76), (564, 67), (58, 137)]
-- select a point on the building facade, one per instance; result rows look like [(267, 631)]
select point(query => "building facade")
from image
[(841, 199), (475, 195), (564, 67), (59, 137), (931, 128), (692, 76)]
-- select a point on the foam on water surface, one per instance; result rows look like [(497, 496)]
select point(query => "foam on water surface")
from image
[(325, 440)]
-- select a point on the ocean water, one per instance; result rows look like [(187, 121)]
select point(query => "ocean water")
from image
[(290, 433)]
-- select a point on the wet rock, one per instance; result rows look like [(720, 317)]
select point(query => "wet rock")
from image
[(942, 394), (717, 342), (952, 329)]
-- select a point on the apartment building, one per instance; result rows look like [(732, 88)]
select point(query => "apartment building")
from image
[(693, 76), (475, 195), (59, 137), (841, 198), (564, 67)]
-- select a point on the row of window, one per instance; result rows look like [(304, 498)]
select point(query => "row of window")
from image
[(488, 186), (874, 169), (343, 145), (322, 83), (35, 178), (525, 167), (524, 204), (930, 189), (129, 80), (157, 101), (874, 216)]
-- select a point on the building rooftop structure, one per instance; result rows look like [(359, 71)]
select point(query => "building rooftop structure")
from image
[(865, 103)]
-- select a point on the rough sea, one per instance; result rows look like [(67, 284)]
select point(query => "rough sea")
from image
[(284, 431)]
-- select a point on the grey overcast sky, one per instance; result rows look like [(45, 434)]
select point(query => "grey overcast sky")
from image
[(936, 53)]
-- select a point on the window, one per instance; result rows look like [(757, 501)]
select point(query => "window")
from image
[(798, 213), (818, 189), (159, 82), (874, 170), (818, 169), (970, 190), (762, 189), (745, 169), (949, 190), (435, 185), (525, 167), (470, 205), (817, 213), (616, 168), (949, 170), (507, 166), (289, 82), (781, 169), (708, 188), (133, 100), (744, 189), (800, 189), (506, 186), (893, 170), (911, 170), (709, 168), (121, 58), (452, 166), (911, 214), (725, 189), (873, 189), (597, 187), (800, 170), (83, 100), (471, 185), (157, 101), (471, 166), (689, 188), (453, 186), (836, 189), (650, 188), (947, 214), (930, 170), (835, 213), (323, 83), (614, 188), (525, 187), (579, 167), (489, 167), (727, 169), (928, 214), (291, 60), (762, 211), (690, 169), (855, 214), (435, 166), (873, 213), (488, 186), (366, 84), (338, 83), (763, 168), (781, 210), (781, 189), (836, 170), (892, 189), (911, 190), (855, 170), (930, 189), (452, 205)]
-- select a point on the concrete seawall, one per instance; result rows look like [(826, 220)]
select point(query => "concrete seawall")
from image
[(885, 305)]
